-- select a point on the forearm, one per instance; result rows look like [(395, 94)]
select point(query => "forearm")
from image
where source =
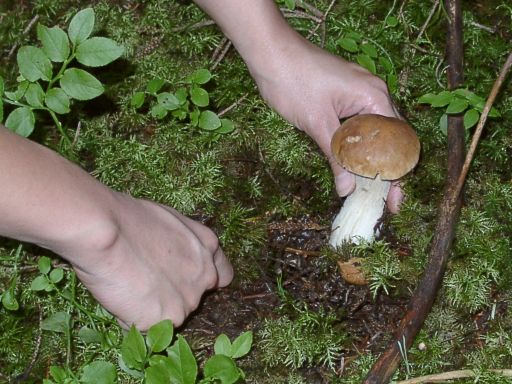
[(45, 199)]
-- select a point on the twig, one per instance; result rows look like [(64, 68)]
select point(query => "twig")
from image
[(303, 252), (220, 52), (25, 31), (236, 103), (77, 133), (427, 21), (453, 375), (26, 373), (322, 22)]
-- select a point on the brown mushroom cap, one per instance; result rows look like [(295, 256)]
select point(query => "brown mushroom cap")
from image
[(371, 145)]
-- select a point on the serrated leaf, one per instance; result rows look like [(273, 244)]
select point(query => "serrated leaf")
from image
[(222, 368), (35, 95), (227, 126), (21, 121), (222, 345), (81, 26), (208, 121), (56, 275), (471, 118), (154, 85), (9, 301), (98, 372), (182, 363), (55, 42), (58, 322), (98, 51), (160, 336), (137, 100), (199, 97), (370, 50), (158, 111), (457, 105), (242, 345), (168, 101), (348, 44), (80, 85), (442, 99), (90, 336), (367, 62), (201, 76), (34, 64), (40, 283), (57, 100), (133, 349)]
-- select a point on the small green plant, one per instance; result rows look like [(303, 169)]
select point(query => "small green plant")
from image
[(456, 102), (96, 372), (157, 361), (8, 297), (41, 89), (187, 102), (371, 56)]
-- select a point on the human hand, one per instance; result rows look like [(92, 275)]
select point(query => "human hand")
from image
[(314, 89), (155, 264)]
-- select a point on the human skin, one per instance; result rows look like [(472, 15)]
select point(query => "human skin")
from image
[(145, 262)]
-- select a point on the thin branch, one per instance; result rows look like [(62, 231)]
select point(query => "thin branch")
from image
[(236, 103), (452, 375)]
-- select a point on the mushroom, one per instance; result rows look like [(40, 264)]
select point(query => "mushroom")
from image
[(376, 149)]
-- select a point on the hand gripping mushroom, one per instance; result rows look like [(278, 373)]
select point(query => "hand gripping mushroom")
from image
[(377, 150)]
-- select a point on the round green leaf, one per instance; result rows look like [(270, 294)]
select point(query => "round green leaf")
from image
[(442, 99), (98, 51), (457, 105), (201, 76), (427, 98), (160, 336), (168, 101), (99, 372), (227, 126), (199, 97), (34, 64), (57, 100), (44, 264), (21, 121), (367, 62), (81, 26), (471, 118), (9, 301), (35, 95), (137, 99), (80, 85), (348, 44), (154, 85), (56, 275), (222, 368), (392, 21), (370, 50), (58, 322), (222, 345), (40, 283), (55, 42), (209, 121), (90, 336), (158, 111)]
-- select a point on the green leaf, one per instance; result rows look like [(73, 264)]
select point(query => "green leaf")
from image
[(168, 101), (464, 93), (242, 345), (137, 100), (354, 36), (21, 121), (385, 63), (427, 98), (199, 97), (40, 283), (457, 105), (81, 26), (56, 275), (44, 264), (392, 21), (222, 368), (201, 76), (227, 126), (35, 95), (55, 42), (367, 62), (158, 111), (494, 112), (58, 374), (182, 364), (58, 322), (80, 85), (34, 64), (98, 51), (194, 117), (9, 300), (181, 94), (20, 91), (99, 372), (471, 118), (370, 50), (442, 99), (160, 336), (133, 349), (155, 85), (209, 121), (348, 44), (57, 100), (222, 345), (132, 372), (90, 336), (443, 124), (392, 81), (159, 374)]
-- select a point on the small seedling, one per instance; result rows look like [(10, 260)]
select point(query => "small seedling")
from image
[(157, 361), (187, 102), (40, 88), (456, 102)]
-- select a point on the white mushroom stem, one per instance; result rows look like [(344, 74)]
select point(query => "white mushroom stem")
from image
[(358, 218)]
